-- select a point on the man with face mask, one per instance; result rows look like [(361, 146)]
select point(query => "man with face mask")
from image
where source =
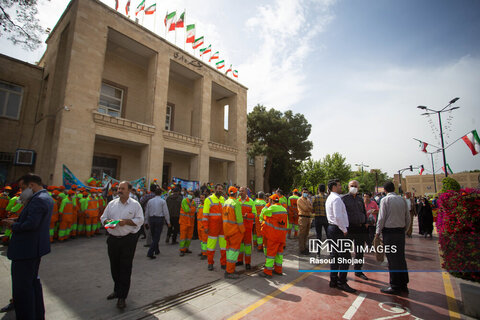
[(30, 241), (357, 227)]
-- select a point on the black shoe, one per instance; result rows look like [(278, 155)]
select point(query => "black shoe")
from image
[(112, 296), (390, 290), (345, 287), (248, 267), (182, 253), (239, 263), (157, 252), (188, 251), (224, 267), (231, 275), (174, 242), (167, 240), (152, 257), (333, 283), (203, 257), (361, 275), (8, 307), (146, 245), (264, 275), (277, 273), (200, 254), (121, 303), (210, 267)]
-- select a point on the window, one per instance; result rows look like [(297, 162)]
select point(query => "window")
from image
[(225, 117), (111, 100), (251, 161), (10, 100), (169, 117)]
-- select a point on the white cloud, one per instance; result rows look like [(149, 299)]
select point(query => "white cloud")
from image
[(275, 72)]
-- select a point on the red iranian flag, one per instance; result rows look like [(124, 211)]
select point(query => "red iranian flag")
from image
[(220, 64), (235, 73), (229, 70), (127, 8), (190, 33), (421, 169), (151, 9), (198, 42), (116, 5), (423, 146), (472, 141), (140, 7), (169, 23), (205, 50), (180, 21), (214, 56)]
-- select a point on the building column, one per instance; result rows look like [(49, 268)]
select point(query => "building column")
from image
[(240, 107), (159, 109), (205, 84)]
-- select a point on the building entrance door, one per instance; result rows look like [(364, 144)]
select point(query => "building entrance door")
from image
[(105, 165), (166, 173)]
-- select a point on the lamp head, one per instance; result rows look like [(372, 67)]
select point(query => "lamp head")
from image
[(422, 107), (454, 100)]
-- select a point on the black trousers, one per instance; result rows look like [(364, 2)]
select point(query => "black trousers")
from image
[(156, 227), (320, 222), (27, 289), (359, 235), (334, 233), (396, 261), (174, 228), (121, 252)]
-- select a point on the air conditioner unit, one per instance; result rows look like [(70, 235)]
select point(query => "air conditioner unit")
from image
[(24, 157)]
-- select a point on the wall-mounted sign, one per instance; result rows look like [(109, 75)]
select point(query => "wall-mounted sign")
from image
[(193, 62)]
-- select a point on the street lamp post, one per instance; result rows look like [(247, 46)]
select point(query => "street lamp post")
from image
[(362, 165), (438, 112)]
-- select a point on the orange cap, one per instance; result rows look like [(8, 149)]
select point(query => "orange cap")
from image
[(74, 186), (18, 193), (295, 190), (56, 192), (154, 179), (275, 197), (232, 189), (8, 188), (71, 191), (61, 188), (85, 193)]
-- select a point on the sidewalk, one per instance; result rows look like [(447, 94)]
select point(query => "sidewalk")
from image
[(76, 280)]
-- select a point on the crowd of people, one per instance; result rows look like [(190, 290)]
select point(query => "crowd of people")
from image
[(239, 220)]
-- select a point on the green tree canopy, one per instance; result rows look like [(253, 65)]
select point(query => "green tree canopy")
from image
[(282, 138)]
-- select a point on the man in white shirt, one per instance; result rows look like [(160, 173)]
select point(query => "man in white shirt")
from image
[(156, 214), (122, 239), (337, 229)]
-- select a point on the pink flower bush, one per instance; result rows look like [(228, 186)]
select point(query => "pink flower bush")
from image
[(458, 226)]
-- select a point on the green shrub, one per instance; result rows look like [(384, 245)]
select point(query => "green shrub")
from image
[(449, 184)]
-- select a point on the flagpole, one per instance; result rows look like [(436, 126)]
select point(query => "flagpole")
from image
[(185, 28), (155, 20)]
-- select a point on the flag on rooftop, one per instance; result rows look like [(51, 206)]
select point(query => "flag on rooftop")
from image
[(151, 9), (472, 141), (190, 33)]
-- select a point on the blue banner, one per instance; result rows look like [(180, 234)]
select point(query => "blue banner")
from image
[(187, 184), (137, 184)]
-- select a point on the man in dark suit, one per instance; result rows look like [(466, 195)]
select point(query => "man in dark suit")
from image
[(30, 241)]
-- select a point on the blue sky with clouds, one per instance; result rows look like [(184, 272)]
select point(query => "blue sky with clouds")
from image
[(356, 69)]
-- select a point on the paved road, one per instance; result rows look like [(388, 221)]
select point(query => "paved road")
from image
[(76, 281)]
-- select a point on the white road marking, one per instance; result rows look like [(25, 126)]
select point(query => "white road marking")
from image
[(354, 307)]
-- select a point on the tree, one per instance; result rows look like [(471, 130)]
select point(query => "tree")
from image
[(335, 167), (281, 138), (449, 183), (310, 175), (19, 22), (369, 180)]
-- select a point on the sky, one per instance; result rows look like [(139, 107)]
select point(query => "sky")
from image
[(356, 69)]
